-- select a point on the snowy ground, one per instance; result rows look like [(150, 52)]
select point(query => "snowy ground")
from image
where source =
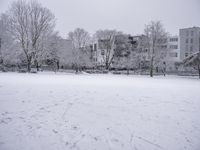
[(102, 112)]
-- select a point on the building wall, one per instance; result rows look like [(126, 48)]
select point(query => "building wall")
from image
[(173, 53), (173, 48), (178, 47), (100, 54), (189, 41)]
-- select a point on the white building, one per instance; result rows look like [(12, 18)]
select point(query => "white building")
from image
[(173, 48), (189, 41), (173, 53)]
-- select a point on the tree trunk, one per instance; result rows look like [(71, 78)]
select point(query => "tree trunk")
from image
[(151, 72), (29, 66), (58, 65), (151, 68), (164, 70), (76, 68), (37, 65), (107, 66), (29, 63)]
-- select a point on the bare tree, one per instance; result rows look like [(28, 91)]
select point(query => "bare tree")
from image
[(123, 52), (106, 40), (8, 46), (5, 39), (80, 40), (156, 43), (55, 51), (29, 21), (193, 61)]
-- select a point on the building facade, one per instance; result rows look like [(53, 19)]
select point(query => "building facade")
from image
[(189, 41), (173, 53), (173, 49), (177, 47)]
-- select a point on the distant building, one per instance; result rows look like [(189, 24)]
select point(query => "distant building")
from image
[(123, 44), (189, 41), (173, 48), (177, 47), (173, 53), (102, 45)]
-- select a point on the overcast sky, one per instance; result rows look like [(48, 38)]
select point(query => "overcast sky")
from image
[(128, 16)]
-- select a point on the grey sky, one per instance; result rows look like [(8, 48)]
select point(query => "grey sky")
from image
[(128, 16)]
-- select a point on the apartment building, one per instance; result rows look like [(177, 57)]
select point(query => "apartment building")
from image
[(177, 47), (101, 46), (173, 53), (189, 41), (173, 49)]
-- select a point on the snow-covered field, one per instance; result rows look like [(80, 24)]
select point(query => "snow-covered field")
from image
[(49, 111)]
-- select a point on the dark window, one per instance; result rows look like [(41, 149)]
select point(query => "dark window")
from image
[(173, 46), (191, 48), (192, 33), (173, 39), (186, 47), (187, 33), (95, 47)]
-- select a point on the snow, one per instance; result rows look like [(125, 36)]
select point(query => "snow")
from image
[(60, 111)]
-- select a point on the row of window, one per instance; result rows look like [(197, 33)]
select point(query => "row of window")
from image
[(189, 33), (187, 48), (173, 39), (173, 46), (187, 54), (187, 41), (162, 40), (173, 54)]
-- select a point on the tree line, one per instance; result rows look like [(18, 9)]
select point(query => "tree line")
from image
[(28, 38)]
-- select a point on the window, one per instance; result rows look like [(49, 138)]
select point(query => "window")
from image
[(95, 59), (187, 33), (163, 46), (173, 39), (174, 54), (192, 33), (186, 41), (191, 48), (95, 47), (186, 54), (191, 40), (173, 46), (164, 40), (186, 48)]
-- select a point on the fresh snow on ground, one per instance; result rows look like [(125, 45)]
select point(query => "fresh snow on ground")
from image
[(48, 111)]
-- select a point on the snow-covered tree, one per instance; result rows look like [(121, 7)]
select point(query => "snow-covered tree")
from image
[(57, 51), (80, 39), (193, 61), (122, 53), (156, 43), (8, 47), (29, 21), (106, 40)]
